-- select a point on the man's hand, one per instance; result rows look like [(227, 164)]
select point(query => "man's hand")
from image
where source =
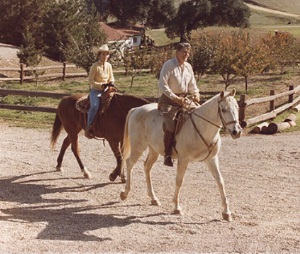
[(179, 100), (196, 97)]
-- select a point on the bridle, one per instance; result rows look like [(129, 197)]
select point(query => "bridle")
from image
[(224, 123)]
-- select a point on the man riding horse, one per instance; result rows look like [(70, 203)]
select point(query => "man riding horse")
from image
[(175, 81)]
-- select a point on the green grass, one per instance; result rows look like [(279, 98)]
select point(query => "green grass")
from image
[(27, 119), (159, 37), (144, 85), (264, 19)]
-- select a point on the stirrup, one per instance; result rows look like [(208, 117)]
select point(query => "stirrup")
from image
[(88, 134), (168, 161)]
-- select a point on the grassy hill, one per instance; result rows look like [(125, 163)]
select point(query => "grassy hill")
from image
[(261, 19), (289, 6)]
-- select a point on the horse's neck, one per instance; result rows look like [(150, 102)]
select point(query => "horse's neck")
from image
[(209, 111), (127, 102)]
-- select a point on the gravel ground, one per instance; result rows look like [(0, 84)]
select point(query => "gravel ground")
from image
[(44, 211)]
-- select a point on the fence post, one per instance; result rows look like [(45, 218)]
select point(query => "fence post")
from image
[(21, 73), (291, 98), (64, 70), (242, 106), (272, 102)]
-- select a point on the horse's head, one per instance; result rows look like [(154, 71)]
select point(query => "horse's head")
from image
[(229, 113)]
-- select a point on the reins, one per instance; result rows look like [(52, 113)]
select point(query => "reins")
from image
[(209, 147)]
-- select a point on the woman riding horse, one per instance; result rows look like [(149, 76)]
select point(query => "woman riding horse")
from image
[(101, 73)]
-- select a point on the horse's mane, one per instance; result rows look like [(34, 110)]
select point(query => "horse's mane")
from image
[(209, 100), (212, 98)]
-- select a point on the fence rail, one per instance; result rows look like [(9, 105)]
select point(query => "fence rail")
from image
[(273, 111), (243, 103), (5, 92), (23, 69)]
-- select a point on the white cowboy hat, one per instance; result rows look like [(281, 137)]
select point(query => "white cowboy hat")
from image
[(104, 48)]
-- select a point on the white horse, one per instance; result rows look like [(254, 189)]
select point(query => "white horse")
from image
[(198, 140)]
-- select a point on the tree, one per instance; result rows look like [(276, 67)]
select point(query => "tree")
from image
[(282, 47), (28, 53), (205, 45), (229, 12), (57, 24), (135, 61), (225, 58), (129, 11), (164, 54), (190, 16), (80, 49), (251, 57), (194, 14), (153, 13), (16, 16), (230, 54), (160, 13), (102, 7)]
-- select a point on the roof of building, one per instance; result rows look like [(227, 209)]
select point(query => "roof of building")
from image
[(114, 34)]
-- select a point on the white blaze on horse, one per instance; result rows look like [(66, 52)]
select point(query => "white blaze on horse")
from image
[(198, 140)]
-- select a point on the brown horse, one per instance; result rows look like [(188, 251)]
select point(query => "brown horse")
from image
[(109, 125)]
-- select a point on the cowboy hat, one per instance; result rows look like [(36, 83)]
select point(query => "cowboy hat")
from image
[(104, 48)]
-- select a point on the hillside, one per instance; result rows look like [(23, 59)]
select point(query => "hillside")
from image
[(271, 12), (288, 6)]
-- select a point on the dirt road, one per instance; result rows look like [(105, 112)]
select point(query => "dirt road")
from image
[(44, 211)]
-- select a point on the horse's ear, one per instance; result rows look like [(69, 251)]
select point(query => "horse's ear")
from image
[(222, 94), (233, 92)]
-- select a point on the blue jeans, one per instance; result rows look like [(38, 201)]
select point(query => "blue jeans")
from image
[(94, 105)]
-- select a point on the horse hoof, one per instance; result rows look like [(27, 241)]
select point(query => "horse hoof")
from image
[(87, 175), (178, 212), (155, 202), (112, 177), (227, 216), (123, 196), (60, 169)]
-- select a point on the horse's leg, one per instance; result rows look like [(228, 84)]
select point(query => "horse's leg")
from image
[(75, 150), (181, 169), (151, 159), (213, 165), (115, 147), (133, 158), (63, 149)]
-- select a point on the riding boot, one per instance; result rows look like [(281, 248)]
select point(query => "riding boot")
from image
[(168, 142), (88, 132)]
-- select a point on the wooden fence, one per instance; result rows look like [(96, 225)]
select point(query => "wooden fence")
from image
[(4, 92), (40, 72), (273, 111), (243, 103)]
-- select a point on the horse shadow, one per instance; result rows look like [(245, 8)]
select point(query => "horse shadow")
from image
[(70, 223)]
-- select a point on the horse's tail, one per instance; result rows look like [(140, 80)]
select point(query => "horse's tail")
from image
[(126, 142), (56, 129)]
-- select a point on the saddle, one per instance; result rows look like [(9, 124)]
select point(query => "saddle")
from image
[(83, 103)]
